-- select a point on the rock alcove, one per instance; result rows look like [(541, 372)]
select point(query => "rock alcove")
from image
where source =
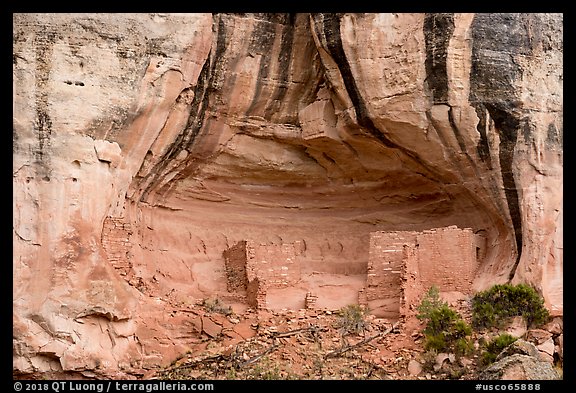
[(147, 145)]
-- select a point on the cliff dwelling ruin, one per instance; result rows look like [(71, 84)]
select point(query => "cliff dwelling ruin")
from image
[(400, 267), (275, 161)]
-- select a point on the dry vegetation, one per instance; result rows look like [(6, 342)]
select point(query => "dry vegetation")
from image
[(345, 344)]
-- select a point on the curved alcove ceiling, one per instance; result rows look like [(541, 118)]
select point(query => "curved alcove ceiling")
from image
[(296, 143)]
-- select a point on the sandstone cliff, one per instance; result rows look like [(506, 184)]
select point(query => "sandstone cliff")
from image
[(144, 145)]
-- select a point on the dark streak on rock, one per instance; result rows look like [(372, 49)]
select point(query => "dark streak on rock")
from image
[(331, 30), (261, 43), (43, 42), (526, 129), (188, 134), (438, 29), (286, 48), (482, 147), (507, 126), (461, 143), (185, 140), (218, 69), (496, 40), (456, 132), (204, 88), (331, 23), (554, 137)]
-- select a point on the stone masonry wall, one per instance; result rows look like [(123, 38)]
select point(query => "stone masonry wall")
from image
[(274, 264), (235, 259), (411, 285), (447, 258), (253, 268), (385, 266), (117, 246), (256, 294), (404, 264)]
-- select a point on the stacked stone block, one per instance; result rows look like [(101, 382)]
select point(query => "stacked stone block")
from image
[(117, 245)]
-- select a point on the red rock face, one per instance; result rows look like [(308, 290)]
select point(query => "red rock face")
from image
[(146, 145)]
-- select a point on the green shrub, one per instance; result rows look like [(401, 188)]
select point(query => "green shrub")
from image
[(435, 342), (431, 302), (494, 347), (463, 346), (445, 329), (351, 319), (496, 305)]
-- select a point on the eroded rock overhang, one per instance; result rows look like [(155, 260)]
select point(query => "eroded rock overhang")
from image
[(184, 134), (312, 121)]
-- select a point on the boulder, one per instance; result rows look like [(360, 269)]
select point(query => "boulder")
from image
[(519, 367)]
